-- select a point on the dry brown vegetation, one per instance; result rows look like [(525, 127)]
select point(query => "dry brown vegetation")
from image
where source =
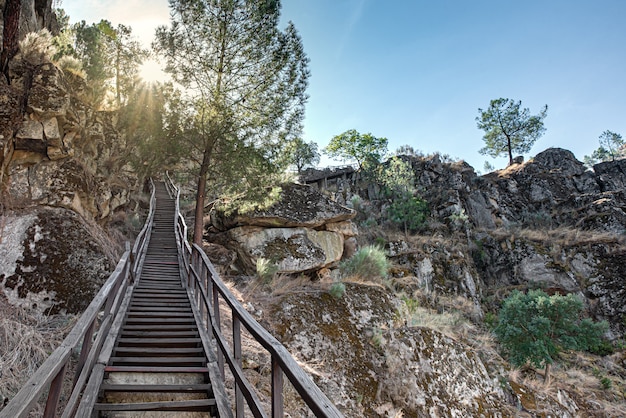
[(26, 341), (563, 236)]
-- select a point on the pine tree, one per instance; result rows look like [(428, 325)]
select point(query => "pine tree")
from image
[(534, 327), (509, 129), (246, 80)]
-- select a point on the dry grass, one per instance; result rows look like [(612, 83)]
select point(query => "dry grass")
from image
[(284, 284), (26, 341), (563, 236)]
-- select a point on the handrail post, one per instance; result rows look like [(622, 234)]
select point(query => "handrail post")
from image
[(54, 394), (237, 354), (277, 389), (84, 351), (216, 315)]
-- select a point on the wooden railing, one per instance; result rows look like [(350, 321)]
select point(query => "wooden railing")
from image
[(103, 310), (207, 290)]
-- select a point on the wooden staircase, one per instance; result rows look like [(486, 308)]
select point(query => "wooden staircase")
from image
[(158, 366)]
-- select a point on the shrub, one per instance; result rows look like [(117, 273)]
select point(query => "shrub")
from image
[(368, 263), (606, 383), (408, 212), (70, 64), (266, 269), (37, 47), (337, 290), (534, 327)]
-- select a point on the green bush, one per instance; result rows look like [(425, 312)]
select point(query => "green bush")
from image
[(606, 383), (337, 290), (266, 269), (369, 263), (534, 327), (408, 212)]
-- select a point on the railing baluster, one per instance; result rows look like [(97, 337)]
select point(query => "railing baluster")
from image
[(84, 351), (237, 353), (216, 316), (54, 393), (277, 389)]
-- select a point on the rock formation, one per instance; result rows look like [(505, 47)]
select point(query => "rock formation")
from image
[(303, 231), (59, 158)]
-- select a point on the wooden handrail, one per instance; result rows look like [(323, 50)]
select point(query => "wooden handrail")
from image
[(50, 375), (207, 288)]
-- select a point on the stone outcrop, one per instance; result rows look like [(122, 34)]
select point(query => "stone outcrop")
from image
[(62, 153), (303, 231), (548, 222), (62, 176), (51, 260), (298, 206), (379, 367)]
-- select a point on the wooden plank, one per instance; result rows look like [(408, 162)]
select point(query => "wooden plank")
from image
[(161, 320), (149, 369), (156, 360), (157, 341), (159, 333), (160, 327), (190, 405), (160, 350), (197, 388), (150, 314), (90, 396)]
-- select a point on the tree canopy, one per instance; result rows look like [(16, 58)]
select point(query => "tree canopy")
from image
[(354, 146), (534, 327), (508, 128), (612, 146), (302, 154), (110, 58), (245, 82)]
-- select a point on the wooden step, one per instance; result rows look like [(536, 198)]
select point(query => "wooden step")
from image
[(154, 369), (191, 405), (204, 387)]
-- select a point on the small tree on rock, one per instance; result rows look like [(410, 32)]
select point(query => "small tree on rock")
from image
[(611, 146), (365, 149), (302, 154), (509, 129), (534, 327)]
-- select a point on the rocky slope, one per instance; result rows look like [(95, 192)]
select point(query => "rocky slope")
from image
[(417, 344), (62, 181)]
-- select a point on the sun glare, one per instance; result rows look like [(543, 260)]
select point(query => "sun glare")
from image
[(151, 71)]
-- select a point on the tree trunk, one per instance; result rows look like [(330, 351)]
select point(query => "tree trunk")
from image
[(10, 35), (509, 146), (546, 374), (198, 225)]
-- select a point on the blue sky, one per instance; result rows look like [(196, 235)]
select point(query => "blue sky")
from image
[(416, 71)]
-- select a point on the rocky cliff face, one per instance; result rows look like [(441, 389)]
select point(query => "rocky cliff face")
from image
[(383, 351), (59, 158)]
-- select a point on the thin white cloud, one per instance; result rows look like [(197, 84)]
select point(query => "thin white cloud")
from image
[(357, 12)]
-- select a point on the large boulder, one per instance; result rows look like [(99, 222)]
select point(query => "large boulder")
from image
[(303, 231), (370, 366), (292, 249), (51, 261), (298, 206)]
